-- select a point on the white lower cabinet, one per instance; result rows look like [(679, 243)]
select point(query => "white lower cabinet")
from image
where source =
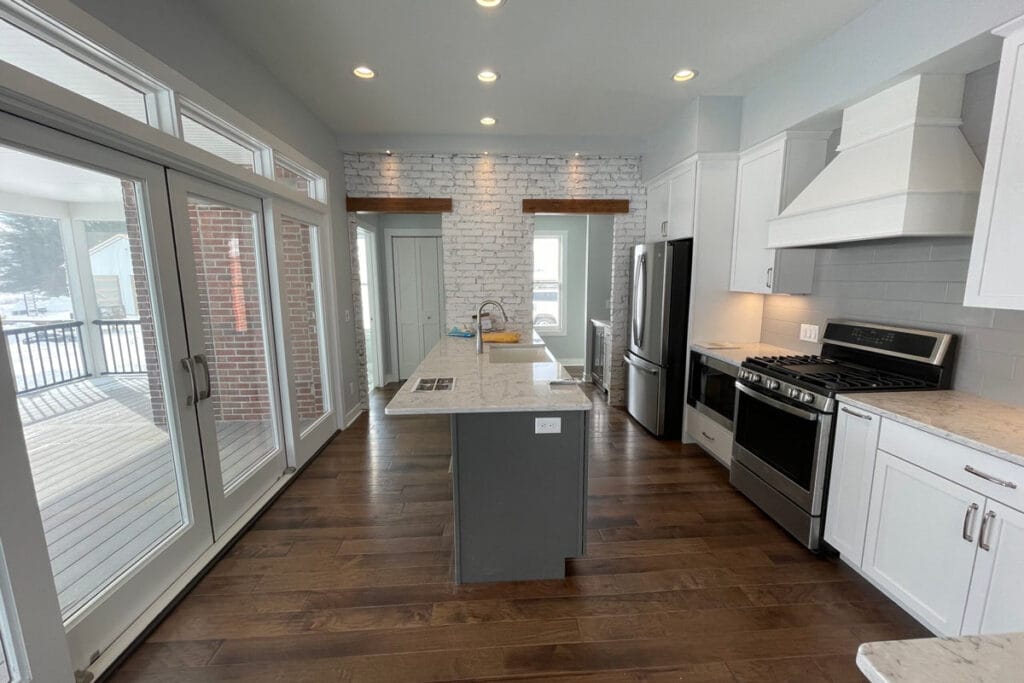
[(996, 600), (853, 465), (921, 541), (929, 521)]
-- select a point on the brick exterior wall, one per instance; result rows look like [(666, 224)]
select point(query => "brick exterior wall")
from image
[(487, 238), (228, 281), (144, 301), (296, 264)]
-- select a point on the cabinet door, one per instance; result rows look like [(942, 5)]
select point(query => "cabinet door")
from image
[(921, 541), (853, 465), (996, 600), (682, 190), (757, 199), (657, 212), (995, 278)]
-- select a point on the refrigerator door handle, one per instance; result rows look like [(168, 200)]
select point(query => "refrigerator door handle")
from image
[(640, 300), (641, 367)]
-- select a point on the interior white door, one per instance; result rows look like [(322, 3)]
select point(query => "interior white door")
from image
[(921, 541), (996, 601), (299, 293), (418, 298), (222, 258), (114, 459)]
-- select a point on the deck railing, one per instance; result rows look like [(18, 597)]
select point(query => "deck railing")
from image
[(121, 344), (46, 355)]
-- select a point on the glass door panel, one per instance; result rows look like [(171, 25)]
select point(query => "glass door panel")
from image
[(222, 257), (113, 456), (303, 335)]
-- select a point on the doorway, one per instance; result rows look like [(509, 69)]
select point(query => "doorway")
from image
[(418, 295)]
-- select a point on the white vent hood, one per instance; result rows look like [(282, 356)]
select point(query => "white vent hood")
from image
[(904, 169)]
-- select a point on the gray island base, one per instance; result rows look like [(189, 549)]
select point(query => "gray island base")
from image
[(519, 457), (520, 497)]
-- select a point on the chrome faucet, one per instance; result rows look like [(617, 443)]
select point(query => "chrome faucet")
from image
[(480, 324)]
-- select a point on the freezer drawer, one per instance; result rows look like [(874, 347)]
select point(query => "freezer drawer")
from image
[(646, 393)]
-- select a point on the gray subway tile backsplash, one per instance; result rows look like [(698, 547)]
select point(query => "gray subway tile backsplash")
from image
[(912, 282)]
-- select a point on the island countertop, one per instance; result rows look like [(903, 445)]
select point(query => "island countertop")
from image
[(485, 387)]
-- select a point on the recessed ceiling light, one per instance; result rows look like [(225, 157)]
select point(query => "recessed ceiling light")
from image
[(576, 154), (364, 72), (388, 152), (488, 121), (489, 3), (487, 76), (486, 153), (684, 75)]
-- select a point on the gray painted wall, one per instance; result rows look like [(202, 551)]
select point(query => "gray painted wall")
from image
[(886, 41), (599, 270), (183, 36), (705, 124), (572, 345)]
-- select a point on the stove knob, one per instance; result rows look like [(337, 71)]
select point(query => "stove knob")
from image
[(755, 378), (772, 384), (742, 374), (806, 398), (793, 393)]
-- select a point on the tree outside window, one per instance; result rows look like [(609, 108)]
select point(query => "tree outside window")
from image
[(33, 268)]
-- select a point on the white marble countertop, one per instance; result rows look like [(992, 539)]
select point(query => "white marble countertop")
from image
[(485, 387), (735, 353), (988, 426), (950, 660)]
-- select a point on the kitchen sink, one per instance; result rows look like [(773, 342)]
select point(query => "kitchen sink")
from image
[(520, 353)]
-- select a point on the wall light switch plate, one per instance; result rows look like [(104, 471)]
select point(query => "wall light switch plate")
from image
[(548, 425), (809, 333)]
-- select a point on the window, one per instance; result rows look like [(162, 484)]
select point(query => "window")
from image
[(81, 68), (289, 173), (218, 137), (548, 282)]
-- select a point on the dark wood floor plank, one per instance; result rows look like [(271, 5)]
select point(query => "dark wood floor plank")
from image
[(348, 577)]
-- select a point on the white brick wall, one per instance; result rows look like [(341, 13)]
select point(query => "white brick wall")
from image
[(488, 240), (357, 314)]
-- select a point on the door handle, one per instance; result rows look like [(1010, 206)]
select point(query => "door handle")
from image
[(768, 277), (190, 368), (207, 391), (968, 532), (984, 538), (638, 366)]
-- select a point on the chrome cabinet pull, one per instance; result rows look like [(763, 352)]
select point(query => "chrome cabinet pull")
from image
[(664, 228), (707, 436), (989, 477), (855, 413), (190, 368), (986, 531), (968, 532), (768, 278)]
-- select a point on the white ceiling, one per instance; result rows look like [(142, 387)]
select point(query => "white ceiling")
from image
[(28, 175), (573, 72)]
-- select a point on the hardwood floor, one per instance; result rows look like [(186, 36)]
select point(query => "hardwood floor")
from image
[(348, 578)]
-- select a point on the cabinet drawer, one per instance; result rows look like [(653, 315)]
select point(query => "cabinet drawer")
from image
[(712, 437), (951, 460)]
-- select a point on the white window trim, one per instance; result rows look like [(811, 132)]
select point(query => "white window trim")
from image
[(262, 161), (563, 239), (58, 22)]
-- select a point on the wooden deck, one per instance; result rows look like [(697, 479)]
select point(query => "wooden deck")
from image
[(106, 478)]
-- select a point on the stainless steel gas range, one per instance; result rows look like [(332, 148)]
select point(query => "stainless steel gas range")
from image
[(785, 411)]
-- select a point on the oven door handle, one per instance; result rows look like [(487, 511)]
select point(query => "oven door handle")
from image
[(792, 410)]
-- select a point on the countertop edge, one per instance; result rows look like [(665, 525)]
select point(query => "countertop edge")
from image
[(575, 408), (731, 355), (1009, 456), (867, 667)]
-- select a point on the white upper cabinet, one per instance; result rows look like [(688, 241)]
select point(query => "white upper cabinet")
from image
[(849, 491), (770, 175), (657, 211), (670, 204), (995, 278)]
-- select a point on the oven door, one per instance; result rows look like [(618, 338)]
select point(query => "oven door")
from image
[(784, 444)]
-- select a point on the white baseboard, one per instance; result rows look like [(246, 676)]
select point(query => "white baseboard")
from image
[(571, 361), (351, 416)]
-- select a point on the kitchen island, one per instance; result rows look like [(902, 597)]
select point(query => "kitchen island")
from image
[(519, 455)]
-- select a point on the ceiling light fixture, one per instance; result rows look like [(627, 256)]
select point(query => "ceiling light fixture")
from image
[(488, 121), (364, 72), (684, 75), (487, 76), (576, 154), (388, 152), (489, 3)]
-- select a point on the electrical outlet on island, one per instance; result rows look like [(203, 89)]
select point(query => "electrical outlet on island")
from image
[(809, 333)]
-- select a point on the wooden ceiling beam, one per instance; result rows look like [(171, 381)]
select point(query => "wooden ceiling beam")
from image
[(399, 204), (591, 206)]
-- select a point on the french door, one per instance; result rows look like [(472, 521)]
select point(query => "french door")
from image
[(222, 260), (113, 452)]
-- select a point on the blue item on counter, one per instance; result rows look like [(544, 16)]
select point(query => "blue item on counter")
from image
[(456, 332)]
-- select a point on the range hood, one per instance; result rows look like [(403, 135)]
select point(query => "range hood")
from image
[(904, 169)]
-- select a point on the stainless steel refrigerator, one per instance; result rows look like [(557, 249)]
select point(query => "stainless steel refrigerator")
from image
[(658, 321)]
